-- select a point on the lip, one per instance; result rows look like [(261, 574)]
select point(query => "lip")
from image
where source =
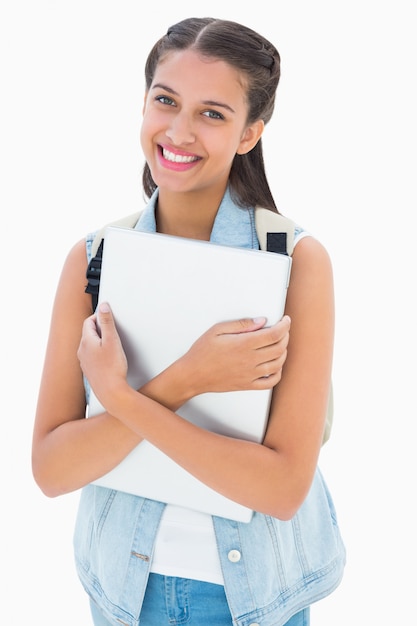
[(177, 160)]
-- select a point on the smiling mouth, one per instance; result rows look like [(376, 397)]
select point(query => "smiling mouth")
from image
[(178, 158)]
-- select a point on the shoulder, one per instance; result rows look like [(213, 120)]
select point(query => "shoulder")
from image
[(311, 286), (77, 255), (309, 252), (72, 282)]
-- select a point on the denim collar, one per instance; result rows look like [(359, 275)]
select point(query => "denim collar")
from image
[(233, 226)]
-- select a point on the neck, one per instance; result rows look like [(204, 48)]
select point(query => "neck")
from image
[(189, 215)]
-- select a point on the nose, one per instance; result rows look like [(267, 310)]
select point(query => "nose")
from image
[(180, 131)]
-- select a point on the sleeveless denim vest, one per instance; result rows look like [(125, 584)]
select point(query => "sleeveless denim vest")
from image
[(272, 569)]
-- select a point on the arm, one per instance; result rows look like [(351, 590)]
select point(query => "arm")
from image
[(273, 477), (69, 451)]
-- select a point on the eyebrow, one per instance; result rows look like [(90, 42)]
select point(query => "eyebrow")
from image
[(206, 102)]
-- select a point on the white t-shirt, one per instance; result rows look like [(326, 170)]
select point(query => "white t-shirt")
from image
[(186, 546)]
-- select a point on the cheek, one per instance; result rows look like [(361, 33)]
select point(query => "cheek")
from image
[(146, 133), (226, 148), (142, 135), (153, 126)]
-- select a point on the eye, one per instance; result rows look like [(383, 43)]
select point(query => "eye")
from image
[(214, 115), (165, 100)]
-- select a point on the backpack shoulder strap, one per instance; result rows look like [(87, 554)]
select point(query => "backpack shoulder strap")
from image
[(275, 231), (94, 266)]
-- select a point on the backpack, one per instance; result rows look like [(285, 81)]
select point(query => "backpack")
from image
[(275, 234)]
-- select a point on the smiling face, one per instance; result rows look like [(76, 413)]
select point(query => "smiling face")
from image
[(194, 122)]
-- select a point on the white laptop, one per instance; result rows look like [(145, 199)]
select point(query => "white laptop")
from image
[(165, 292)]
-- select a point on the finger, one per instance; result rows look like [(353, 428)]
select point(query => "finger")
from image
[(285, 322), (272, 352), (107, 326), (105, 322), (104, 313), (105, 317), (271, 367), (281, 328), (89, 337), (267, 382), (273, 335), (90, 326), (244, 325)]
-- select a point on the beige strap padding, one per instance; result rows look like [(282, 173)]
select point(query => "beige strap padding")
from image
[(129, 221)]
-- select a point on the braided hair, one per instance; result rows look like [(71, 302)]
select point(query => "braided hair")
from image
[(259, 61)]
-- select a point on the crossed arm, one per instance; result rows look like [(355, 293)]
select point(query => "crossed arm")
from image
[(70, 451)]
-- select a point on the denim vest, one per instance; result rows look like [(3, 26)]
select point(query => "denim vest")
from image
[(272, 569)]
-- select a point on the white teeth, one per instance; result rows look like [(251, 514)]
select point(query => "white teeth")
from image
[(177, 158)]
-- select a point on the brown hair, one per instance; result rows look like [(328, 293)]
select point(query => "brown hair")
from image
[(259, 60)]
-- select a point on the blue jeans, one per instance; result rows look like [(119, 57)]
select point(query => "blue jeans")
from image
[(184, 602)]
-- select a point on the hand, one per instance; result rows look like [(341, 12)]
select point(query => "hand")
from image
[(101, 354), (238, 355)]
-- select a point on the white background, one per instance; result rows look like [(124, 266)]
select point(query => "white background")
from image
[(341, 157)]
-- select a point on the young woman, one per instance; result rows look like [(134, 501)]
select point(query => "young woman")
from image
[(210, 90)]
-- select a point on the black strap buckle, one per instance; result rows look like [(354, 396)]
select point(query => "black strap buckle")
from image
[(93, 275)]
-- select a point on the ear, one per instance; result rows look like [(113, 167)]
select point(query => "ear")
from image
[(250, 137)]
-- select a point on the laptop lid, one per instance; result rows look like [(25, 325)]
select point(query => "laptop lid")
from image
[(165, 292)]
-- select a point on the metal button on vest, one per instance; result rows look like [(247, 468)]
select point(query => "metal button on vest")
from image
[(254, 624), (234, 556)]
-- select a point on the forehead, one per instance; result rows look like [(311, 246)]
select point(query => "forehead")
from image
[(182, 69)]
